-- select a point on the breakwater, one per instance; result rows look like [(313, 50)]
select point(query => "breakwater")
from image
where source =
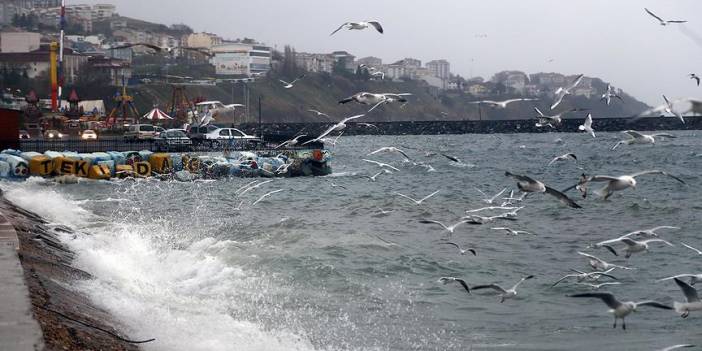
[(569, 125)]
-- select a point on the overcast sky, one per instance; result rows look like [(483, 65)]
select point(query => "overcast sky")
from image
[(613, 40)]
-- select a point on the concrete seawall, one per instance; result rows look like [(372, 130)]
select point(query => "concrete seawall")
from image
[(481, 127)]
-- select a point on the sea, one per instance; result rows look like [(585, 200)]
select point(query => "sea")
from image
[(343, 263)]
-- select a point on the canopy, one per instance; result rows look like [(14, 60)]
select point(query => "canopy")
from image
[(157, 114)]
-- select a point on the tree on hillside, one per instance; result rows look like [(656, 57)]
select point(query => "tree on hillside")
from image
[(289, 68)]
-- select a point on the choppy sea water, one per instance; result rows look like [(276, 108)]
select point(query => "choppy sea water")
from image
[(306, 268)]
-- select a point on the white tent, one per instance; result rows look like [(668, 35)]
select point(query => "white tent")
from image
[(157, 114)]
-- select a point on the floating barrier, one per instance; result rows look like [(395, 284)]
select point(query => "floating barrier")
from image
[(15, 164)]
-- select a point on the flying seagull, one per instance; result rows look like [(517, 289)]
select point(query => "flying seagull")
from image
[(692, 303), (169, 49), (675, 347), (691, 248), (640, 138), (600, 264), (491, 208), (490, 200), (621, 182), (287, 85), (337, 127), (266, 195), (694, 278), (597, 286), (360, 26), (581, 276), (528, 185), (563, 158), (389, 149), (501, 104), (695, 77), (552, 121), (504, 293), (446, 280), (291, 142), (375, 176), (621, 309), (661, 110), (319, 113), (460, 249), (366, 98), (381, 165), (660, 20), (450, 228), (561, 92), (608, 95), (634, 246), (451, 158), (418, 202), (587, 125), (511, 231)]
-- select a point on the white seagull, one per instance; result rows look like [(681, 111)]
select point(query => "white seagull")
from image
[(694, 278), (246, 189), (460, 249), (552, 121), (587, 125), (581, 276), (418, 202), (287, 85), (366, 98), (675, 347), (600, 264), (500, 104), (597, 286), (660, 20), (491, 208), (337, 127), (529, 185), (634, 246), (691, 248), (640, 138), (475, 219), (622, 182), (692, 303), (266, 195), (561, 92), (661, 110), (375, 176), (446, 280), (490, 200), (563, 157), (319, 113), (389, 149), (381, 165), (511, 231), (608, 95), (450, 228), (621, 309), (360, 26), (504, 293), (291, 142)]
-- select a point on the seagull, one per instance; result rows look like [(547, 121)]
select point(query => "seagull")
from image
[(381, 165), (474, 219), (390, 98), (500, 104), (660, 20), (491, 208), (563, 158), (634, 246), (553, 120), (648, 233), (693, 301), (369, 125), (675, 347), (334, 185), (600, 264), (667, 107), (504, 293), (491, 200), (452, 158), (587, 125), (245, 186), (691, 248), (418, 202), (287, 85), (450, 228), (247, 189), (332, 141), (511, 231), (512, 214), (377, 74), (694, 278), (581, 276), (366, 98), (695, 77), (562, 92), (608, 95), (529, 185), (446, 280), (360, 26), (291, 142), (337, 127), (460, 249), (640, 138), (266, 195), (389, 149), (597, 286), (384, 212), (168, 49), (375, 176), (621, 309), (622, 182), (319, 113)]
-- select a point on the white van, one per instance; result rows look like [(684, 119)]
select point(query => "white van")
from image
[(140, 132)]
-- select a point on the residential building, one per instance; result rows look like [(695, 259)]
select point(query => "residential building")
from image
[(411, 62), (370, 61), (19, 41), (118, 70), (348, 60), (90, 39), (317, 63), (118, 23), (549, 79), (101, 12), (201, 40), (237, 58), (439, 68), (37, 62), (478, 90)]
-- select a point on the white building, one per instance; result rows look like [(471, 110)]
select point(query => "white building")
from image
[(370, 61), (440, 68), (19, 41), (317, 63), (241, 59), (102, 12)]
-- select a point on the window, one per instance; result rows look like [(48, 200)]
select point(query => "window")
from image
[(224, 132), (146, 128), (236, 132)]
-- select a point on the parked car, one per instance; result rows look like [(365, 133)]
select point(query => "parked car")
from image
[(172, 139), (88, 134), (198, 133), (140, 132), (23, 134), (53, 134), (221, 135)]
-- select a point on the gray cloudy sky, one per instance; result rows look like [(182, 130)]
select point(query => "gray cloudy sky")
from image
[(611, 39)]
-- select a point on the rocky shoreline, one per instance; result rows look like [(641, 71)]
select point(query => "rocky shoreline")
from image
[(68, 319)]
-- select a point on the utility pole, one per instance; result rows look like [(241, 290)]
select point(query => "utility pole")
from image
[(260, 118)]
